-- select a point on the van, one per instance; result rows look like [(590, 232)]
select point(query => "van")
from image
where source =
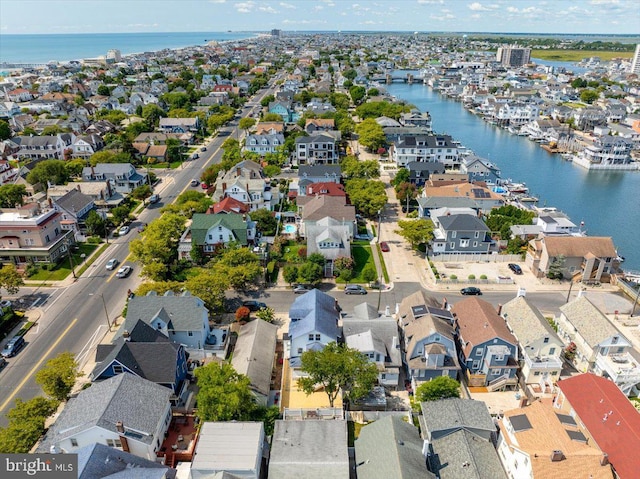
[(154, 199), (12, 347)]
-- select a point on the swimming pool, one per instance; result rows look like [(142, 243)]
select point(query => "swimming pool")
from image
[(290, 229)]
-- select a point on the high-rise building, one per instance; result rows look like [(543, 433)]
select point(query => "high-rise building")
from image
[(513, 56), (114, 56), (635, 64), (275, 33)]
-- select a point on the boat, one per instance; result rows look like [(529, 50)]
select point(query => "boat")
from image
[(517, 188)]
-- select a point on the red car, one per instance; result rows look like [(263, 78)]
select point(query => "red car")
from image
[(384, 247), (204, 186)]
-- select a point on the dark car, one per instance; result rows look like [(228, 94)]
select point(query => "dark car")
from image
[(354, 289), (12, 347), (384, 247), (471, 291), (515, 268), (254, 305)]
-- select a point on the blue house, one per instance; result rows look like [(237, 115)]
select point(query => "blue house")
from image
[(479, 169), (488, 351), (146, 353), (285, 110), (314, 323)]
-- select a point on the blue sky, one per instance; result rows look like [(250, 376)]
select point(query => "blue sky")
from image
[(115, 16)]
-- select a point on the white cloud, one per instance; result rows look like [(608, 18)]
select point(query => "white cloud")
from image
[(287, 5), (477, 7), (431, 2), (267, 9), (604, 2), (317, 8), (217, 1), (245, 7)]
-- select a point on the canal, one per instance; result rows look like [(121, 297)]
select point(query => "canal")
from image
[(607, 202)]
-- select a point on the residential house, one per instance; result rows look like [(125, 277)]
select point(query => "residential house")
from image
[(319, 148), (313, 323), (487, 350), (246, 183), (439, 148), (179, 125), (331, 238), (44, 147), (540, 347), (110, 413), (552, 222), (460, 233), (416, 118), (609, 418), (581, 258), (376, 336), (428, 340), (229, 450), (479, 169), (263, 144), (608, 150), (147, 353), (324, 188), (420, 171), (537, 441), (99, 191), (210, 232), (314, 125), (319, 107), (123, 177), (312, 209), (285, 110), (458, 195), (86, 145), (97, 461), (183, 319), (599, 346), (74, 207), (269, 127), (254, 354), (390, 448), (319, 174), (9, 109), (459, 437), (32, 234), (309, 449), (229, 205)]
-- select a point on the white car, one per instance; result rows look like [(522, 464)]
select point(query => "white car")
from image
[(124, 272), (112, 263), (123, 231)]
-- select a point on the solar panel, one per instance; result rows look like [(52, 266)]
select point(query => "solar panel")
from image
[(419, 310), (566, 419), (520, 422), (576, 436)]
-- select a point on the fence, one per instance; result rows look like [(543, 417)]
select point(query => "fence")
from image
[(479, 258)]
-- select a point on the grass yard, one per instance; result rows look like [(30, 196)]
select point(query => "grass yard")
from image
[(577, 55), (63, 269), (362, 256), (291, 253)]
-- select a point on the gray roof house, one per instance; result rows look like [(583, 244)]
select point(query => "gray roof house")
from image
[(390, 448), (123, 176), (97, 461), (263, 144), (253, 356), (461, 233), (314, 323), (377, 337), (320, 173), (74, 207), (309, 449), (459, 436), (331, 238), (319, 148), (124, 412)]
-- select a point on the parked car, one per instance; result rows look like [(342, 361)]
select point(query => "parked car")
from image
[(204, 186), (123, 231), (384, 247), (5, 303), (194, 182), (12, 347), (253, 305), (204, 148), (301, 289), (154, 199), (515, 268), (354, 289), (471, 290), (112, 263), (195, 156), (3, 363), (124, 272)]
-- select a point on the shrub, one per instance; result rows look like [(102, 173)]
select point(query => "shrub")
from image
[(31, 270), (472, 276), (453, 276), (483, 276), (242, 313)]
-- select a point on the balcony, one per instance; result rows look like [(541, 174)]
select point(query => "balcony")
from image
[(543, 363), (621, 368)]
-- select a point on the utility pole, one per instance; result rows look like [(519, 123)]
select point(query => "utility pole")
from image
[(73, 271), (105, 311), (635, 303)]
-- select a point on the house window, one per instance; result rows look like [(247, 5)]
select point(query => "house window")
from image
[(478, 352), (546, 340), (621, 349), (476, 365), (190, 333), (117, 369), (475, 244), (317, 337), (552, 350), (453, 245), (74, 442), (453, 234), (537, 373), (311, 337), (464, 243), (299, 350), (496, 372), (614, 340), (114, 443), (477, 234)]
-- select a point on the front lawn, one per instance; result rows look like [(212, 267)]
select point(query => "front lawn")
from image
[(63, 269), (290, 252), (362, 257)]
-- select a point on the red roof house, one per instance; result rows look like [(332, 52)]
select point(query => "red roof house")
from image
[(229, 205)]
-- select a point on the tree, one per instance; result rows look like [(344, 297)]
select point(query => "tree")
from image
[(104, 90), (51, 130), (442, 387), (26, 424), (109, 156), (354, 168), (358, 94), (243, 314), (10, 279), (95, 224), (589, 96), (402, 176), (210, 288), (369, 273), (75, 167), (246, 123), (120, 214), (556, 267), (271, 117), (49, 172), (416, 232), (368, 196), (152, 114), (240, 266), (266, 222), (310, 273), (223, 394), (142, 192), (266, 314), (12, 196), (266, 100), (337, 367), (373, 92), (58, 376), (371, 134), (406, 191), (5, 130), (290, 274), (342, 264)]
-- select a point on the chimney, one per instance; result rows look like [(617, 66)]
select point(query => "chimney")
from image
[(126, 335), (499, 311), (123, 440), (523, 402), (557, 456), (582, 293), (224, 187), (445, 303), (78, 188), (604, 460), (50, 202), (395, 344), (238, 171)]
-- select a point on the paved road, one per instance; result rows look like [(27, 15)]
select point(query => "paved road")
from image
[(75, 318)]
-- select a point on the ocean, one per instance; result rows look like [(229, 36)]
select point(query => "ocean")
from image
[(65, 47)]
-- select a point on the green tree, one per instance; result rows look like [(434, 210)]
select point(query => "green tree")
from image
[(10, 279), (152, 114), (589, 96), (266, 221), (338, 368), (95, 223), (51, 130), (310, 273), (368, 196), (373, 92), (246, 123), (104, 90), (342, 264), (369, 273), (266, 314), (556, 267), (371, 135), (210, 288), (406, 191), (239, 265), (290, 273), (416, 232), (271, 117), (12, 196), (402, 176), (354, 168), (501, 219), (266, 100), (26, 424), (358, 94), (5, 130), (223, 395), (58, 376), (75, 167), (142, 192), (442, 387), (317, 258), (120, 214), (109, 156), (49, 171)]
